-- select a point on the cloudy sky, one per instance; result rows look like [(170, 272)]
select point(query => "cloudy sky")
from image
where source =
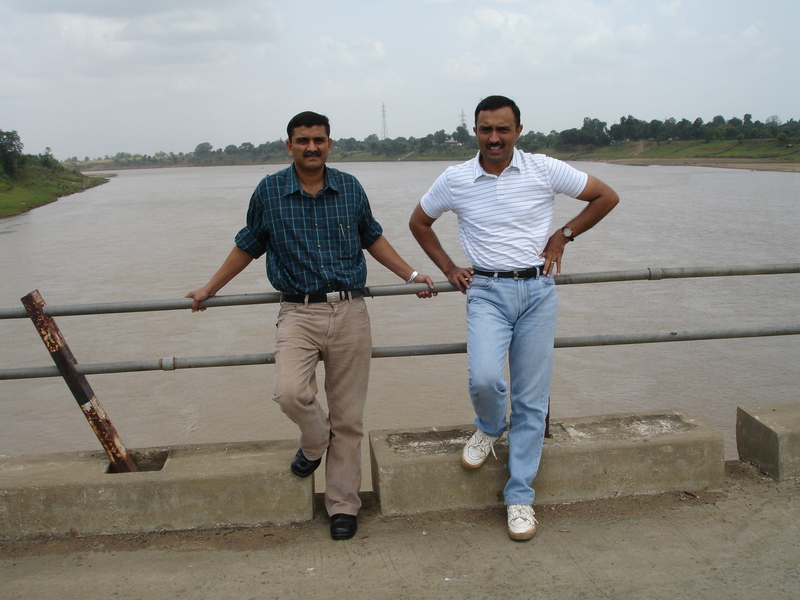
[(97, 77)]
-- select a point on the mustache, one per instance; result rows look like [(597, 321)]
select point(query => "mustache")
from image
[(310, 153)]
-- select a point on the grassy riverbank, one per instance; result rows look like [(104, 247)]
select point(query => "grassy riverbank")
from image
[(767, 155), (35, 186)]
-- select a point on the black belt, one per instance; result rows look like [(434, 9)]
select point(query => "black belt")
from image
[(329, 297), (531, 272)]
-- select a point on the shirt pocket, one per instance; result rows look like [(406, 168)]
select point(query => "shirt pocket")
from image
[(347, 239)]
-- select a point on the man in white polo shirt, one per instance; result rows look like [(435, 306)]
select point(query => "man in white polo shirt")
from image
[(504, 200)]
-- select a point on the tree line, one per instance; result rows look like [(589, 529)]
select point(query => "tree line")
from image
[(461, 143), (630, 128), (12, 160)]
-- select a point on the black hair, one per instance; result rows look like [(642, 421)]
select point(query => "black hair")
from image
[(495, 103), (308, 119)]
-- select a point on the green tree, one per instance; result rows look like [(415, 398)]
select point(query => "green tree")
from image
[(657, 130), (461, 135), (629, 128), (10, 152), (347, 144)]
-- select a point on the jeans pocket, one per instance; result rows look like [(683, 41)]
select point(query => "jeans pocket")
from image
[(478, 287), (481, 282)]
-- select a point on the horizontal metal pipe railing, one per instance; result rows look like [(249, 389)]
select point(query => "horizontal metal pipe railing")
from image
[(173, 363), (658, 273), (651, 274)]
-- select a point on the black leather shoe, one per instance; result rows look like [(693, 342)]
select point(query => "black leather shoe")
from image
[(301, 466), (343, 527)]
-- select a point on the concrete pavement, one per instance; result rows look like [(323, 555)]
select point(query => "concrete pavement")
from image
[(739, 542)]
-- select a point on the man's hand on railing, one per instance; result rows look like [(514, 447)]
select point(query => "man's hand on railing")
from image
[(460, 277), (198, 296), (427, 280)]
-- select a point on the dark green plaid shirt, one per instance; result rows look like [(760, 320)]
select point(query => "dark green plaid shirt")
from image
[(313, 245)]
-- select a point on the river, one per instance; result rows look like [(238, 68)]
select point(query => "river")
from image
[(152, 234)]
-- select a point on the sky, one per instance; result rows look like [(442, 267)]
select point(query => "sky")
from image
[(97, 77)]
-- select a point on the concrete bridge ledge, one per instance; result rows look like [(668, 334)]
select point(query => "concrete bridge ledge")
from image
[(769, 437), (245, 484), (180, 487), (587, 458)]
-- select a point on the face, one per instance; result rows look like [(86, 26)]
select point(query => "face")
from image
[(497, 133), (309, 147)]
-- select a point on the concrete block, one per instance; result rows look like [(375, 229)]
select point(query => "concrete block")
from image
[(769, 437), (587, 458), (178, 488)]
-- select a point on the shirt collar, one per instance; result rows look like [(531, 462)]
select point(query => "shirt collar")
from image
[(293, 186), (516, 163)]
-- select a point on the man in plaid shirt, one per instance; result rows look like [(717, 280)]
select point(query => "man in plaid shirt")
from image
[(313, 222)]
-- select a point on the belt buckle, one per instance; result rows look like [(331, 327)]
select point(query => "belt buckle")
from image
[(516, 273), (333, 297)]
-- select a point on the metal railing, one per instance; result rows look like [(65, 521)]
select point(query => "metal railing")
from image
[(173, 363)]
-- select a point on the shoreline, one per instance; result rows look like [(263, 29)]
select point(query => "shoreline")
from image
[(718, 163)]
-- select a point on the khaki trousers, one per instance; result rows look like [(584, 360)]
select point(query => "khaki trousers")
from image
[(339, 334)]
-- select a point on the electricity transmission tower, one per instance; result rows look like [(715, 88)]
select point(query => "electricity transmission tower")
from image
[(384, 130)]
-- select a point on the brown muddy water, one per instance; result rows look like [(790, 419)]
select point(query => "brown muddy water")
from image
[(154, 234)]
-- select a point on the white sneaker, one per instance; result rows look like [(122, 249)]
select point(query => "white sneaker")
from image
[(521, 522), (477, 449)]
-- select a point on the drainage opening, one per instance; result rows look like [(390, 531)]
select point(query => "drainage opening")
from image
[(146, 460)]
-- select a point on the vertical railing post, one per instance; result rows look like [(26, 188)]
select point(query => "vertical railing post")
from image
[(77, 383)]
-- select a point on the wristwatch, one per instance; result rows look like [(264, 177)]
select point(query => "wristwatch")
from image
[(568, 233)]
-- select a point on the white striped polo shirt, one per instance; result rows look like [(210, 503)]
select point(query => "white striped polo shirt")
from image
[(504, 221)]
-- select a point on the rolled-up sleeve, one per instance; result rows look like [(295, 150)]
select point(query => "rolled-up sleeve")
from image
[(253, 237), (369, 228)]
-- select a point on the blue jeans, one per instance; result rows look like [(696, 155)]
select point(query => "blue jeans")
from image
[(514, 318)]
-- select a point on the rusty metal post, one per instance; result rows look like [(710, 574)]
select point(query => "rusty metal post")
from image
[(77, 383)]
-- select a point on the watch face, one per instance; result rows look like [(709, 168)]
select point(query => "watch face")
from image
[(567, 232)]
